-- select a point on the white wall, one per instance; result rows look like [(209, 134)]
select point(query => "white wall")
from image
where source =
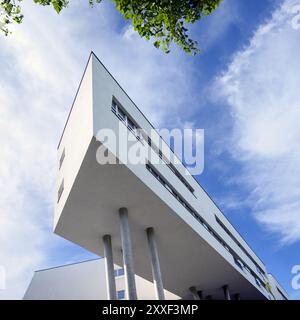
[(76, 138), (81, 281)]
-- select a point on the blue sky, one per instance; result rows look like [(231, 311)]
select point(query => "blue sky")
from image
[(243, 90)]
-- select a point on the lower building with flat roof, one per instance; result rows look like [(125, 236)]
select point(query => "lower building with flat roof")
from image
[(84, 281)]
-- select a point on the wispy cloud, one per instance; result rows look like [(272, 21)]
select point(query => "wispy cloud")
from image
[(217, 24), (261, 85), (37, 78)]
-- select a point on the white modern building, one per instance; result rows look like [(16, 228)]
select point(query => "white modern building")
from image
[(152, 218), (84, 281)]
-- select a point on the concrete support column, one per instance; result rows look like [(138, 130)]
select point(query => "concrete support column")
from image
[(226, 292), (127, 255), (237, 297), (156, 273), (195, 293), (200, 293), (109, 268)]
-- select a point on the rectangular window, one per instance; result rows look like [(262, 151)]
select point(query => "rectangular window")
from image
[(60, 190), (121, 294), (62, 157), (180, 177), (160, 154), (125, 118), (121, 115), (257, 282), (238, 263), (247, 269), (131, 126), (280, 292), (114, 107), (240, 246), (119, 272)]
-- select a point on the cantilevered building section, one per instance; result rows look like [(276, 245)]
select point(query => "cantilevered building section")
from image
[(153, 219)]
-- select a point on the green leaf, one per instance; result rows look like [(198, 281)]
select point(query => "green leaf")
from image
[(156, 44), (163, 21), (57, 5)]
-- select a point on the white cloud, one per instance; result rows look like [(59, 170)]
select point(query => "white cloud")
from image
[(217, 24), (261, 85), (37, 79), (129, 32), (41, 64)]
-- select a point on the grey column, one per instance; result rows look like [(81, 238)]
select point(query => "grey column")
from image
[(127, 255), (195, 293), (156, 273), (109, 268), (200, 293), (237, 296), (226, 292)]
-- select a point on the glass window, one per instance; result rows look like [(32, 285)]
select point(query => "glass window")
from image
[(162, 181), (169, 188), (257, 282), (131, 126), (119, 272), (247, 269), (195, 215), (172, 168), (260, 271), (121, 294), (238, 263), (205, 226), (62, 157), (138, 134), (114, 107), (121, 115), (60, 190)]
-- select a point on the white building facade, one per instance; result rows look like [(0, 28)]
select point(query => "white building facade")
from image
[(84, 281), (152, 218)]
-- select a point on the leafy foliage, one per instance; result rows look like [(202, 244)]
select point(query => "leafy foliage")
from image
[(10, 11), (58, 5), (164, 21)]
